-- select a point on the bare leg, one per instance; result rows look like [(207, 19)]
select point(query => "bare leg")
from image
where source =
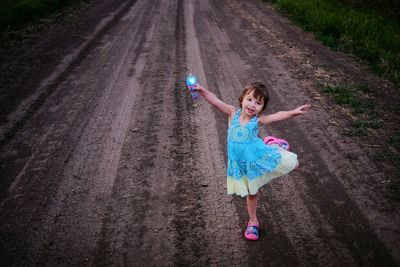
[(252, 208), (297, 165)]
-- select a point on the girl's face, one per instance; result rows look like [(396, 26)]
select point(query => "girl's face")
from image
[(251, 105)]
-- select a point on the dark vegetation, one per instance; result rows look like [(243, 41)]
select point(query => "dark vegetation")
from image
[(369, 29), (16, 13), (389, 8)]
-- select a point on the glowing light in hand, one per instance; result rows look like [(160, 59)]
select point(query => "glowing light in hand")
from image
[(191, 80)]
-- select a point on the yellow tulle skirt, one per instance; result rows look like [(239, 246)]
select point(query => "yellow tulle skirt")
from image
[(244, 186)]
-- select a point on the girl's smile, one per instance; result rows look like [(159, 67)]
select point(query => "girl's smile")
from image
[(251, 105)]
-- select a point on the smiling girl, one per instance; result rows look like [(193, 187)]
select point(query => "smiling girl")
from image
[(252, 163)]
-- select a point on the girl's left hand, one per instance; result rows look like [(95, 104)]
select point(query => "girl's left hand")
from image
[(302, 109)]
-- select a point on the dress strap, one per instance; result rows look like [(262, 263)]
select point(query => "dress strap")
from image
[(237, 115), (235, 118)]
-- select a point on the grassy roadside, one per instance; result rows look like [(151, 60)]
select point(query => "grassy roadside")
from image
[(363, 109), (366, 33), (360, 28), (16, 13)]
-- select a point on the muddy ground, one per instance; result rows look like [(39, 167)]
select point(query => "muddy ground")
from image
[(106, 161)]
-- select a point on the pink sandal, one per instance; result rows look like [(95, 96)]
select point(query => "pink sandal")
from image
[(271, 140), (252, 231)]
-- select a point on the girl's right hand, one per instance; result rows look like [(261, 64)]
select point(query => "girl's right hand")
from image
[(199, 88)]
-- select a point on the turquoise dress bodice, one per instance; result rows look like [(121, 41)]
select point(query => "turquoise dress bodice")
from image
[(252, 163)]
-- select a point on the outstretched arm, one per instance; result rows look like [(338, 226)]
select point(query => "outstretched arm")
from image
[(284, 115), (215, 101)]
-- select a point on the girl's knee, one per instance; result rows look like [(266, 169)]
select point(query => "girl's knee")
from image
[(252, 196)]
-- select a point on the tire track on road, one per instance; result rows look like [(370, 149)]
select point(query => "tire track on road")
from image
[(189, 222), (223, 231), (150, 218)]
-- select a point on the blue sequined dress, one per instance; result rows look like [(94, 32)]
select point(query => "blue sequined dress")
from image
[(252, 163)]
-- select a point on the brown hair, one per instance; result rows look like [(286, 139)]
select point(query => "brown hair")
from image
[(259, 91)]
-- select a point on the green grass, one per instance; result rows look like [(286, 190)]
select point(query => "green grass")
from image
[(347, 96), (361, 127), (363, 108), (366, 33), (15, 13)]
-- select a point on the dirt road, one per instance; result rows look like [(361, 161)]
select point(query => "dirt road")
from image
[(106, 161)]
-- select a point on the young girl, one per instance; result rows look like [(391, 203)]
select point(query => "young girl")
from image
[(251, 163)]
